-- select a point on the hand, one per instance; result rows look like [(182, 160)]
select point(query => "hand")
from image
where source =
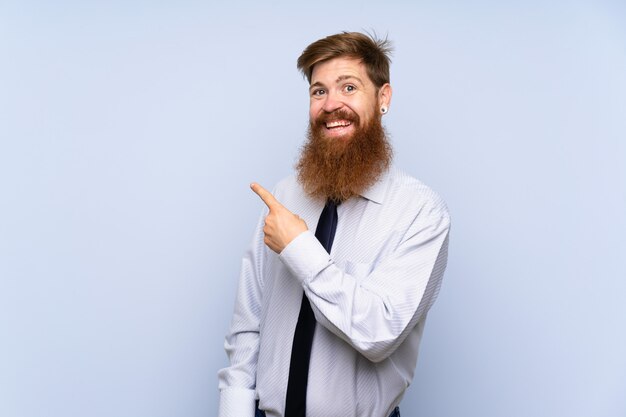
[(281, 225)]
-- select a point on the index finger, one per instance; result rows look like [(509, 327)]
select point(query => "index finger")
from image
[(265, 195)]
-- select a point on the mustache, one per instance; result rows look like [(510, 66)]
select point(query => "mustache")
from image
[(339, 114)]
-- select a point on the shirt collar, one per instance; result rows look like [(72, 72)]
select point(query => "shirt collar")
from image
[(376, 192)]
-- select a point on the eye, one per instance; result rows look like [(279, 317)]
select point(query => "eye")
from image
[(318, 92), (349, 88)]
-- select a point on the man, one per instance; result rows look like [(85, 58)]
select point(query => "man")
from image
[(329, 323)]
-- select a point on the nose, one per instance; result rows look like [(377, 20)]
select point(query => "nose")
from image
[(331, 102)]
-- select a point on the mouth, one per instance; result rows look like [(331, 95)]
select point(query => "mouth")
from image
[(338, 127), (337, 123)]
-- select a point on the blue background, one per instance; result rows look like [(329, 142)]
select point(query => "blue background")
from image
[(129, 132)]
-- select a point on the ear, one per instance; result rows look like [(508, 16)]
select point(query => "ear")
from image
[(384, 96)]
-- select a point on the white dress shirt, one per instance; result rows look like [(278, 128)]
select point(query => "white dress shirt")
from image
[(370, 297)]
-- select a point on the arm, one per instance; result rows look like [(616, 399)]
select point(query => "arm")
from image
[(237, 382), (375, 314)]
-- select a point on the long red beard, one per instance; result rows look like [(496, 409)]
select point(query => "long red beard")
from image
[(340, 168)]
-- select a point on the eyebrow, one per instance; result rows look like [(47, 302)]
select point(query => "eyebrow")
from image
[(348, 77), (338, 80)]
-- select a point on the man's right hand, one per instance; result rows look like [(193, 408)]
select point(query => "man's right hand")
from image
[(281, 225)]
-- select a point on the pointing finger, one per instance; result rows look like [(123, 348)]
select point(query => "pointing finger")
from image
[(265, 195)]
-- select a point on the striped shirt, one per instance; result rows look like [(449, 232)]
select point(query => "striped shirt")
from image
[(370, 297)]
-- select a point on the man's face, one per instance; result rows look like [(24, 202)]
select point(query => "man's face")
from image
[(347, 149), (343, 98)]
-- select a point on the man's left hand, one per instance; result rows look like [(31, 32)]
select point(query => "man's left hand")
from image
[(281, 225)]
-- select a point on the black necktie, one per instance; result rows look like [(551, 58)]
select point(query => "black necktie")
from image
[(303, 337)]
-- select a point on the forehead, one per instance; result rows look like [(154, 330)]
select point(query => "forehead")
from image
[(330, 71)]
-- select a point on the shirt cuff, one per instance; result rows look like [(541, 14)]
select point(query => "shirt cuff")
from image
[(237, 402), (305, 256)]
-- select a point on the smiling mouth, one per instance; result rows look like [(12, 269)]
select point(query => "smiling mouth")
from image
[(337, 124)]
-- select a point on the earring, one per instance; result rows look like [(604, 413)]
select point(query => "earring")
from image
[(383, 109)]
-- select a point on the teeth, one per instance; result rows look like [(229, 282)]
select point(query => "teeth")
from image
[(337, 123)]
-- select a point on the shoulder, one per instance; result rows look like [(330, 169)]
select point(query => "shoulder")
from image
[(287, 186), (290, 193), (409, 192), (287, 183)]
